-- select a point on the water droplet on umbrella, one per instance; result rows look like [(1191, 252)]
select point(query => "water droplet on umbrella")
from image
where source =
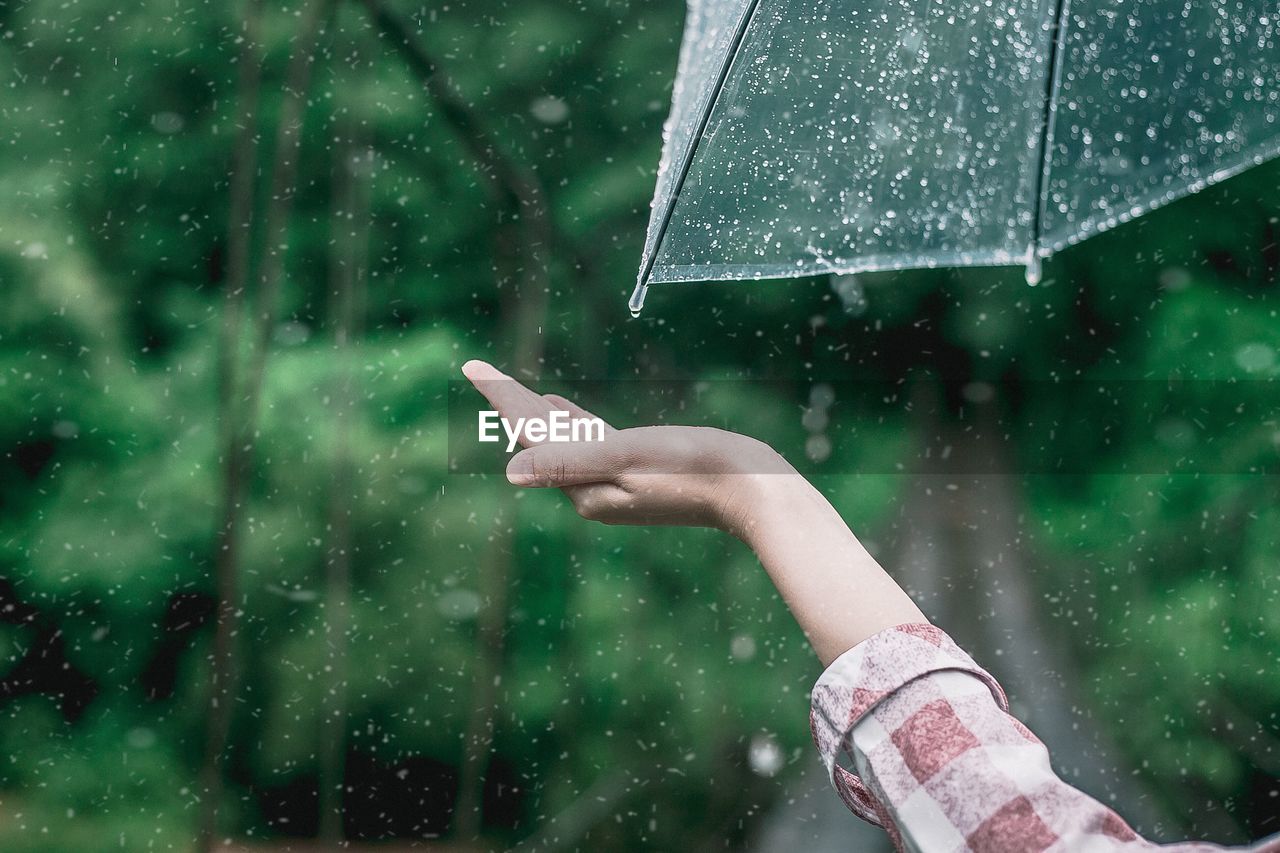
[(636, 303)]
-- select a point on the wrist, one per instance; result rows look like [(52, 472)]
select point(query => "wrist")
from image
[(759, 485)]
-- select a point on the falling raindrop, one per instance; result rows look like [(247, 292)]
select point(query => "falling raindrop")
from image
[(853, 296), (978, 392), (66, 429), (815, 420), (458, 605), (141, 737), (549, 109), (742, 647), (822, 396), (1255, 357), (167, 122), (1033, 268), (1175, 279), (765, 755), (818, 448)]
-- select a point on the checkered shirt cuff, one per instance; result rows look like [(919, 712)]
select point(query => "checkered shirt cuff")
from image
[(860, 679)]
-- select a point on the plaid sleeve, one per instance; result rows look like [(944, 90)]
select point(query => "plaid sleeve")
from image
[(936, 759)]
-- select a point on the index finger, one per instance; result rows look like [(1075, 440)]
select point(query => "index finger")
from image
[(508, 396)]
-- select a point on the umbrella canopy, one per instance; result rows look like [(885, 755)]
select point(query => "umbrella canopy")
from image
[(811, 136)]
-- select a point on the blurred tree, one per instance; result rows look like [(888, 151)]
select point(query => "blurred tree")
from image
[(144, 254)]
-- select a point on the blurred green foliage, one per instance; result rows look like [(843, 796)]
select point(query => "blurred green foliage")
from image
[(659, 652)]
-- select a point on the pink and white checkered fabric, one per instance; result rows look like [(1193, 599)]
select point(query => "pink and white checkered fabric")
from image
[(939, 762)]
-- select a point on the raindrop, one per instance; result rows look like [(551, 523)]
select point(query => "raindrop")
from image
[(1033, 268), (1255, 358), (1175, 279), (141, 738), (815, 420), (765, 755), (66, 429), (853, 296), (978, 392), (822, 395), (818, 448), (549, 109), (636, 303), (292, 334), (458, 605), (742, 647), (167, 122)]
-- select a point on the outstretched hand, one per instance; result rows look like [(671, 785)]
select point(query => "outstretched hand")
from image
[(698, 476), (674, 475)]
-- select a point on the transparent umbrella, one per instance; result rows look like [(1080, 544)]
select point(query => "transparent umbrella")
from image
[(842, 136)]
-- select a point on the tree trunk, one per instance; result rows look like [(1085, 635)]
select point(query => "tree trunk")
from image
[(348, 274), (527, 317), (226, 559), (239, 417), (521, 244)]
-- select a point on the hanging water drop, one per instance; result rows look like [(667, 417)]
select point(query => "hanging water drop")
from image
[(636, 303), (1033, 267)]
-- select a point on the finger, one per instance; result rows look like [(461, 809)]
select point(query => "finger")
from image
[(565, 464), (600, 501), (509, 397), (567, 405)]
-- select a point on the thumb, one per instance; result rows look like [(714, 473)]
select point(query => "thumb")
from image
[(566, 464)]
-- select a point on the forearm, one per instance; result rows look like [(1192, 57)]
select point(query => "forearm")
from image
[(835, 589)]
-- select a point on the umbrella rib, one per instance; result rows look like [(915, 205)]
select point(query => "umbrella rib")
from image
[(1047, 119), (687, 163)]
